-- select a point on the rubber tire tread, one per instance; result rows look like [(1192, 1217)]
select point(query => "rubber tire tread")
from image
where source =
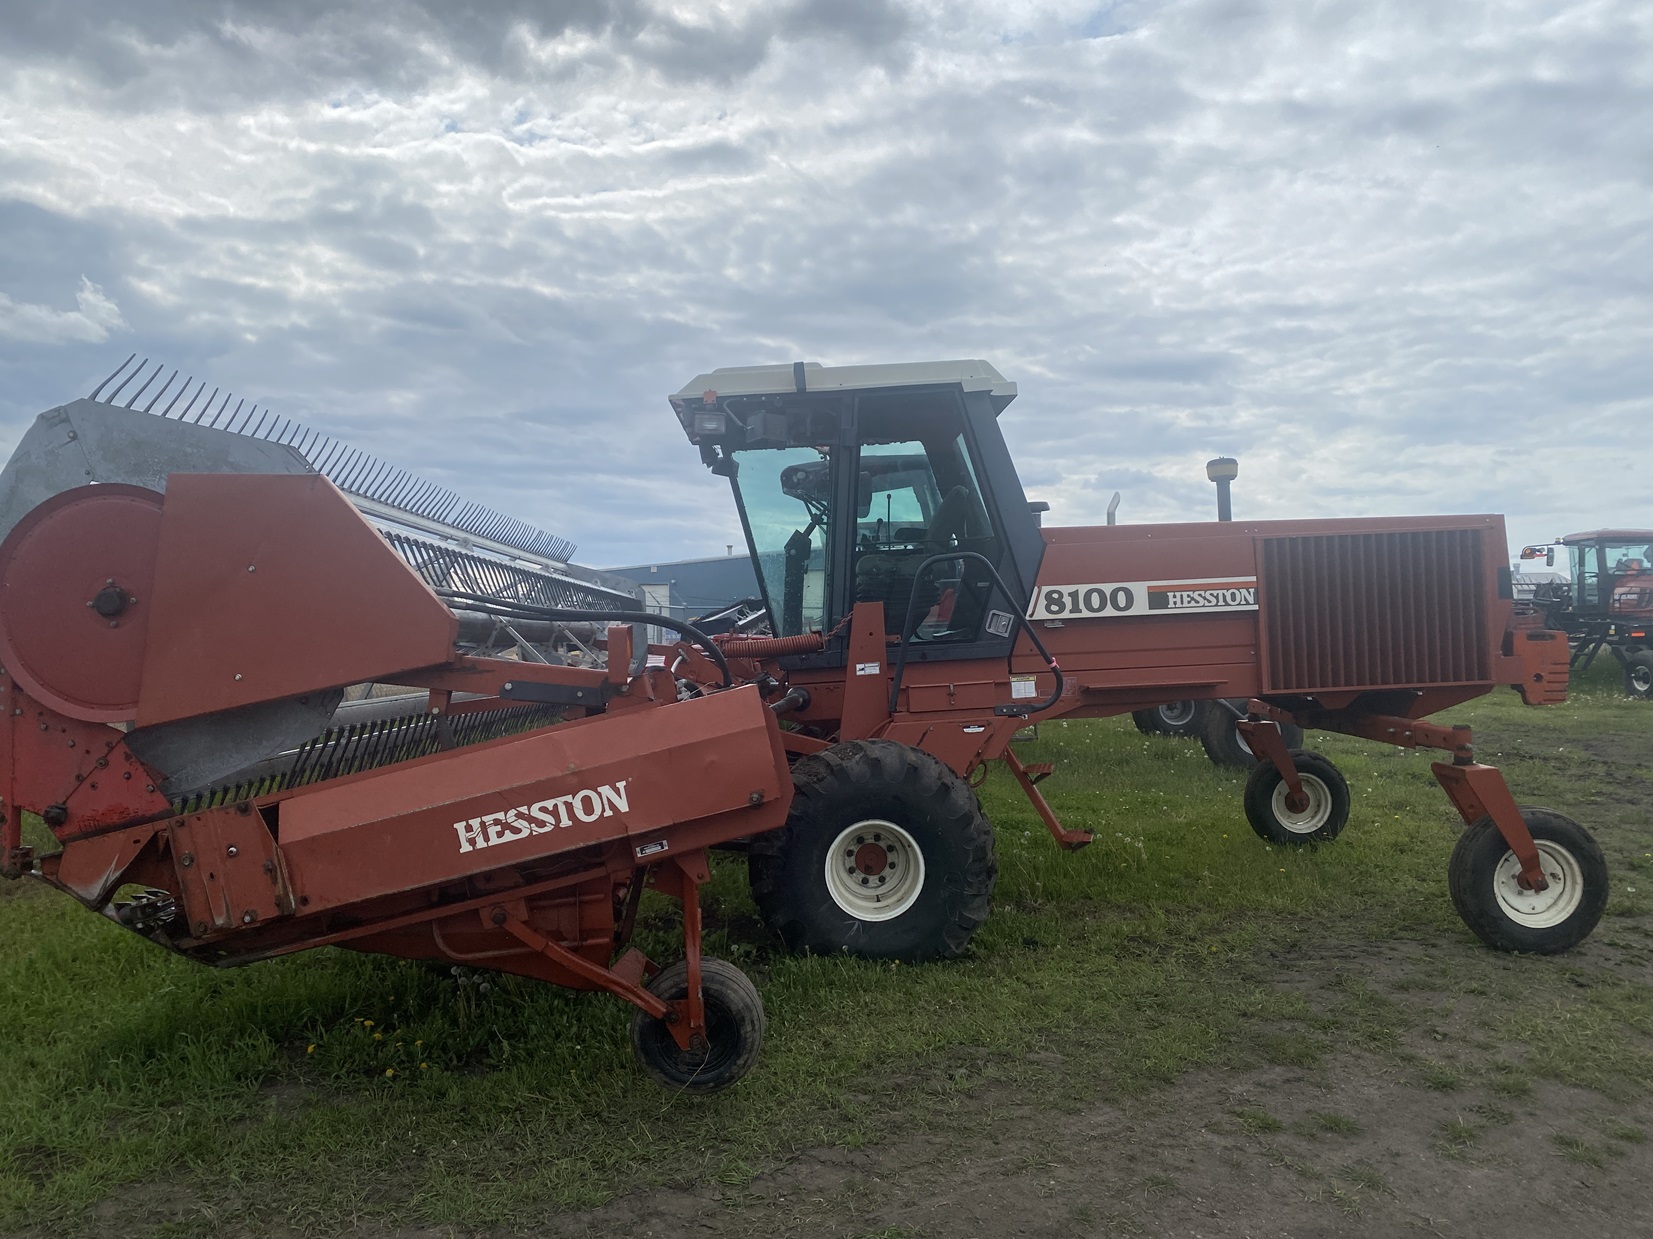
[(1222, 743), (1153, 723), (1259, 799), (1475, 857), (1147, 722), (720, 983), (1641, 658), (861, 779)]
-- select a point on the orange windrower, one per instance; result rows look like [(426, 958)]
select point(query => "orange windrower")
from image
[(179, 636)]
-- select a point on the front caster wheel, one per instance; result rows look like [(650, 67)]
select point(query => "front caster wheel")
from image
[(1227, 747), (1319, 817), (1483, 877), (734, 1029), (885, 855)]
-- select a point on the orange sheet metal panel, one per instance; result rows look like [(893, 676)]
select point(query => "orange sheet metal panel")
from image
[(1178, 631), (1102, 645), (229, 876), (81, 550), (517, 801), (1390, 608), (269, 586)]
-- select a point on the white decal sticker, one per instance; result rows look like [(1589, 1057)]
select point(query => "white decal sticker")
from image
[(974, 729), (867, 668), (1205, 596), (543, 816), (652, 849), (1022, 686)]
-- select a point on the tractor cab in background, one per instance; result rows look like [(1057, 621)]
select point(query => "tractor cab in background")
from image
[(1606, 601), (851, 482)]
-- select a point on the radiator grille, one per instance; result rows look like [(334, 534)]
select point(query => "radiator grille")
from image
[(1374, 610)]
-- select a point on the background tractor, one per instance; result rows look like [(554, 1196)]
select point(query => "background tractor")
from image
[(1607, 601)]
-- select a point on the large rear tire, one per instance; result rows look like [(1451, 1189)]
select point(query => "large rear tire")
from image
[(1171, 718), (1225, 746), (1482, 878), (1638, 675), (885, 855)]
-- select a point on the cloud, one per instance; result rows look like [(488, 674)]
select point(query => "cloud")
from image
[(1395, 256), (93, 320)]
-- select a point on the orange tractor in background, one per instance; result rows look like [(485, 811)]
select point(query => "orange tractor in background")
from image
[(1606, 603), (186, 607)]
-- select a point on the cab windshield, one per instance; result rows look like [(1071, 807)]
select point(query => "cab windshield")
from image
[(1613, 576), (916, 497), (785, 495)]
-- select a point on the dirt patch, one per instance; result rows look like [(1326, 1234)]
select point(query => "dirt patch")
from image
[(1352, 1148), (1439, 1129)]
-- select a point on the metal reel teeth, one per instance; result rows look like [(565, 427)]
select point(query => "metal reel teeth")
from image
[(352, 471)]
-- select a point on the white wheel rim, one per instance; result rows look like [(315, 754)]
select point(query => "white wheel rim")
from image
[(1546, 908), (1312, 818), (1642, 678), (1176, 713), (874, 870)]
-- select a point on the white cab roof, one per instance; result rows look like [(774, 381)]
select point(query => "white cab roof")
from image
[(779, 380)]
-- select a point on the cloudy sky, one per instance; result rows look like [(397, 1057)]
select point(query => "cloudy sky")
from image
[(1396, 256)]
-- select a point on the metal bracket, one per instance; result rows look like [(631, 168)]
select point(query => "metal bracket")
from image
[(1478, 791), (1265, 740), (1027, 776), (592, 697)]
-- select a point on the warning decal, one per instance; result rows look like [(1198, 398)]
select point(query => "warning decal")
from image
[(1094, 601)]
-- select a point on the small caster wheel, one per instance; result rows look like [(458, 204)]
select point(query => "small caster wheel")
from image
[(1638, 675), (1319, 818), (734, 1029), (1227, 747), (1483, 877), (1173, 718)]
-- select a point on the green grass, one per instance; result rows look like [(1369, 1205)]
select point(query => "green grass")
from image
[(263, 1096)]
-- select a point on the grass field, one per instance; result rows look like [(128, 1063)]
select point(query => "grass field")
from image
[(331, 1092)]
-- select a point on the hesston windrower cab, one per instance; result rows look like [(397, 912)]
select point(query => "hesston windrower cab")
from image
[(182, 608), (1607, 602)]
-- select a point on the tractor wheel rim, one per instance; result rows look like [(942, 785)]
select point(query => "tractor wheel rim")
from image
[(874, 870), (1546, 908), (1315, 815), (1642, 678), (1176, 713)]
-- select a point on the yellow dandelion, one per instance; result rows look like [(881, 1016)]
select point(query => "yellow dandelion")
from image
[(312, 1049), (367, 1023), (381, 1036), (418, 1043), (424, 1066), (390, 1071)]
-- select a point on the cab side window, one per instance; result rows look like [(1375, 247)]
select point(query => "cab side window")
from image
[(918, 498)]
